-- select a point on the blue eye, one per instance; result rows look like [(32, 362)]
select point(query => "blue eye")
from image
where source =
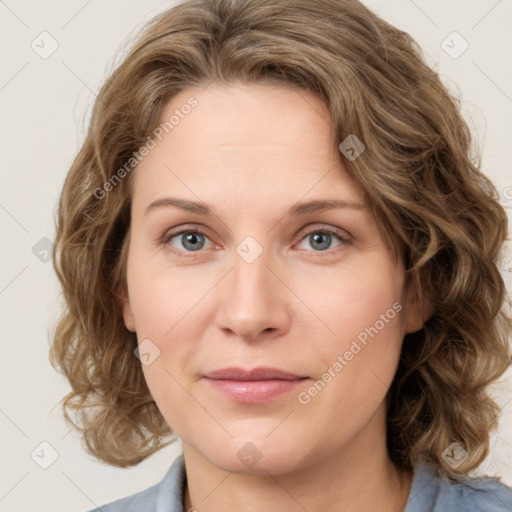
[(194, 240), (191, 240), (321, 240)]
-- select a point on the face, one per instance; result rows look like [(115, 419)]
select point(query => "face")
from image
[(258, 274)]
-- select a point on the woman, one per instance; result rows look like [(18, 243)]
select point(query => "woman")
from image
[(328, 342)]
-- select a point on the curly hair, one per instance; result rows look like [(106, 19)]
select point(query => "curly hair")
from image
[(420, 172)]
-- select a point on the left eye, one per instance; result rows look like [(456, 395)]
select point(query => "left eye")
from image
[(322, 239), (195, 240)]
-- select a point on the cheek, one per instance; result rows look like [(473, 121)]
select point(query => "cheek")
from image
[(166, 305), (353, 298), (170, 395), (162, 297), (362, 306)]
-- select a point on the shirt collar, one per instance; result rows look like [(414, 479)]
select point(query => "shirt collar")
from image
[(424, 489), (172, 488)]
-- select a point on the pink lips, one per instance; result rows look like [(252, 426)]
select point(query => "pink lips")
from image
[(253, 386)]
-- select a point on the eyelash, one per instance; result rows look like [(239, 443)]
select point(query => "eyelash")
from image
[(344, 239)]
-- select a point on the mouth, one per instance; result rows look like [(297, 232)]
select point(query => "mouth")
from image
[(253, 386)]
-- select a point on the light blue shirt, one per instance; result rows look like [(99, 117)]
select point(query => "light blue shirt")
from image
[(428, 494)]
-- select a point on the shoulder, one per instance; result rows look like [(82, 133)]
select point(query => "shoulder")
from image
[(481, 495), (434, 494), (140, 502), (166, 495)]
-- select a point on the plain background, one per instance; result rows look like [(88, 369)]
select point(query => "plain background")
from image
[(45, 103)]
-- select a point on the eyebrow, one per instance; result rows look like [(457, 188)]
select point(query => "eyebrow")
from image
[(304, 208)]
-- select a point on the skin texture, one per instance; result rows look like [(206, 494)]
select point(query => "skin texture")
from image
[(251, 152)]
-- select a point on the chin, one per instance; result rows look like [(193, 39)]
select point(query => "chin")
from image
[(257, 457)]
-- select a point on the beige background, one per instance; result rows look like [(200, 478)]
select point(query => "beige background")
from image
[(44, 106)]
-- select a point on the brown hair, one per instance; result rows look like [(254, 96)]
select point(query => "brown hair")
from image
[(436, 210)]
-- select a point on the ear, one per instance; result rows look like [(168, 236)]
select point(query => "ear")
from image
[(122, 285), (417, 312), (129, 320)]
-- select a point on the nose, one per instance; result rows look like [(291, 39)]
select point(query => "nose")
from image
[(253, 301)]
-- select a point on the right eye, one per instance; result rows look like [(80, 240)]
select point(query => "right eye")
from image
[(186, 240)]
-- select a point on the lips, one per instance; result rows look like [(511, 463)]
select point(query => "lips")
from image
[(256, 374), (253, 386)]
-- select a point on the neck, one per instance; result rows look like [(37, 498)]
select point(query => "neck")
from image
[(359, 476)]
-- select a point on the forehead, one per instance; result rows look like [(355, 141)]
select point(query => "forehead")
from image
[(250, 114), (249, 140)]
